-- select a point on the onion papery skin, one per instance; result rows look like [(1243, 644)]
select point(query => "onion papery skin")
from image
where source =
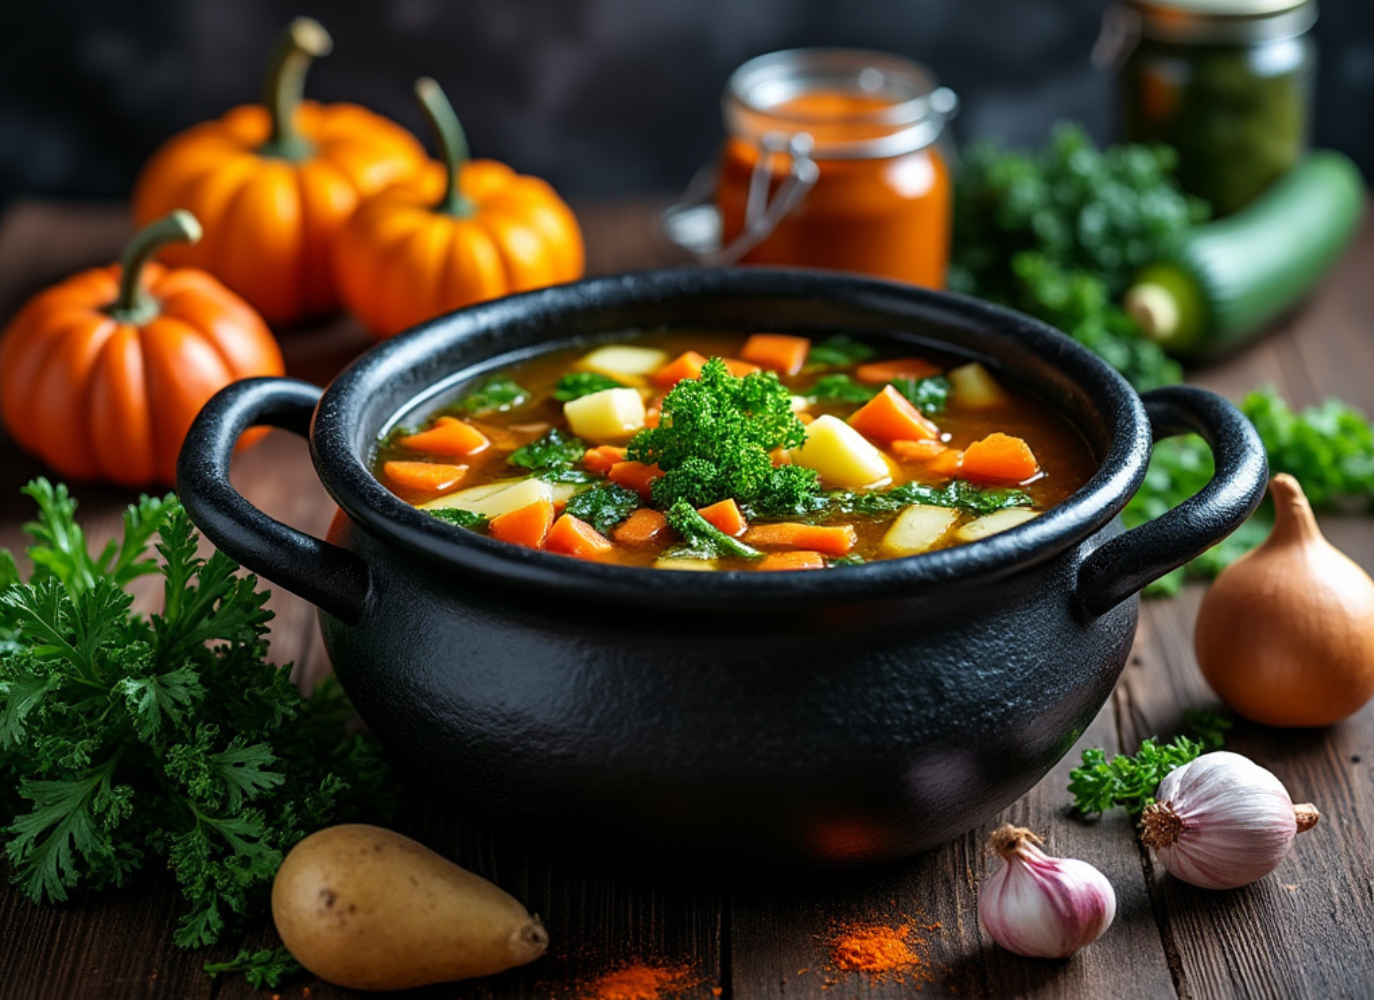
[(1043, 907), (1237, 821)]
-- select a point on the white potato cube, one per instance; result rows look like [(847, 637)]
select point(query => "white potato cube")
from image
[(975, 388), (917, 529), (991, 524), (611, 415), (623, 362), (470, 495), (843, 457), (800, 404), (508, 498)]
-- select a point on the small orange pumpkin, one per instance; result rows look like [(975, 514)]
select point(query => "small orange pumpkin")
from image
[(459, 232), (102, 374), (273, 184)]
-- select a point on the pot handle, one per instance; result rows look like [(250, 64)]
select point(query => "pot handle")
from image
[(1127, 563), (331, 578)]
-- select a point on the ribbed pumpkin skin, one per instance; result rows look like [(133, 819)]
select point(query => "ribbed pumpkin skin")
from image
[(269, 221), (98, 399), (399, 261)]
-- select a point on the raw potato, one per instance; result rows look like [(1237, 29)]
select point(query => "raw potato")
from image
[(493, 503), (991, 524), (842, 455), (916, 529), (620, 361), (975, 388), (609, 416), (369, 909)]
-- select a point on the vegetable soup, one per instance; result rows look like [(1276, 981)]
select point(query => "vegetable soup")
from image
[(710, 451)]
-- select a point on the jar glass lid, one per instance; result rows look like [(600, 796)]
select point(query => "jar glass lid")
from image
[(1222, 21)]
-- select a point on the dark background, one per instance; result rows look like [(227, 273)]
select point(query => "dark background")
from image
[(602, 97)]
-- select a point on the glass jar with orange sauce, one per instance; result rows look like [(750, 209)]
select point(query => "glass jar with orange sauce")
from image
[(832, 160)]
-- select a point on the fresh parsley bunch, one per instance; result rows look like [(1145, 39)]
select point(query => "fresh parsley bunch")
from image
[(131, 741), (1100, 784)]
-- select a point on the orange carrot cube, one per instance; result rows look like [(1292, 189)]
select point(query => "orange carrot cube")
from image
[(688, 365), (430, 477), (448, 436), (791, 560), (598, 461), (726, 516), (947, 463), (644, 527), (918, 451), (571, 536), (834, 540), (738, 368), (890, 416), (779, 352), (999, 458), (635, 476), (528, 526), (878, 372)]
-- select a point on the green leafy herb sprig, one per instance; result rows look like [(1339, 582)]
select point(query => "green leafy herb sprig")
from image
[(264, 969), (1100, 784), (133, 741)]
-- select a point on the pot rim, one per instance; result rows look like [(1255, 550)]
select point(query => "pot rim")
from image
[(339, 447)]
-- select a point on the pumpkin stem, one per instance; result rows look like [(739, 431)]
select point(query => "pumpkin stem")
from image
[(134, 305), (303, 40), (453, 146)]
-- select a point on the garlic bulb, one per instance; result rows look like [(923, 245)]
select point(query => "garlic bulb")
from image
[(1039, 906), (1222, 821)]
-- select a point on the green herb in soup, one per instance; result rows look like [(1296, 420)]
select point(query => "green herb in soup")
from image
[(706, 451)]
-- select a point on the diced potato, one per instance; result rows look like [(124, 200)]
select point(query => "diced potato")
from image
[(917, 529), (800, 404), (690, 565), (843, 457), (974, 387), (510, 497), (470, 495), (991, 524), (563, 492), (623, 362), (610, 416)]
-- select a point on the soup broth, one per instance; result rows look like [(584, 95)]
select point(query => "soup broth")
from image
[(881, 456)]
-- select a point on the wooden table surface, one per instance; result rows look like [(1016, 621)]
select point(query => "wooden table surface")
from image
[(1305, 931)]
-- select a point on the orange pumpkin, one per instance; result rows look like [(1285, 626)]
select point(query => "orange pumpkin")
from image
[(273, 184), (102, 374), (459, 232)]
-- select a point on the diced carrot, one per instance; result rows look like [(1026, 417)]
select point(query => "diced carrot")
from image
[(598, 461), (999, 458), (635, 476), (946, 463), (528, 526), (653, 412), (780, 457), (644, 527), (726, 516), (889, 416), (836, 540), (571, 536), (918, 451), (805, 418), (448, 436), (878, 372), (777, 351), (429, 476), (791, 560), (686, 366), (739, 369)]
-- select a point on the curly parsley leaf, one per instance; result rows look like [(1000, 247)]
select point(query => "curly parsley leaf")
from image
[(266, 968), (839, 352), (463, 518), (1100, 784), (552, 458), (957, 494), (701, 539), (604, 506), (840, 389), (128, 741), (496, 395), (575, 385)]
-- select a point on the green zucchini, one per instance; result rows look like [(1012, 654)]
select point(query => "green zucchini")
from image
[(1231, 277)]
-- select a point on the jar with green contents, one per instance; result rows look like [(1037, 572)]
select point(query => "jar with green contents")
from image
[(1228, 83)]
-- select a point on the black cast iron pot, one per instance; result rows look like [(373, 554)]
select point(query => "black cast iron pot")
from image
[(856, 714)]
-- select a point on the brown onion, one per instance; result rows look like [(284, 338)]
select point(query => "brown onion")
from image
[(1286, 634)]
